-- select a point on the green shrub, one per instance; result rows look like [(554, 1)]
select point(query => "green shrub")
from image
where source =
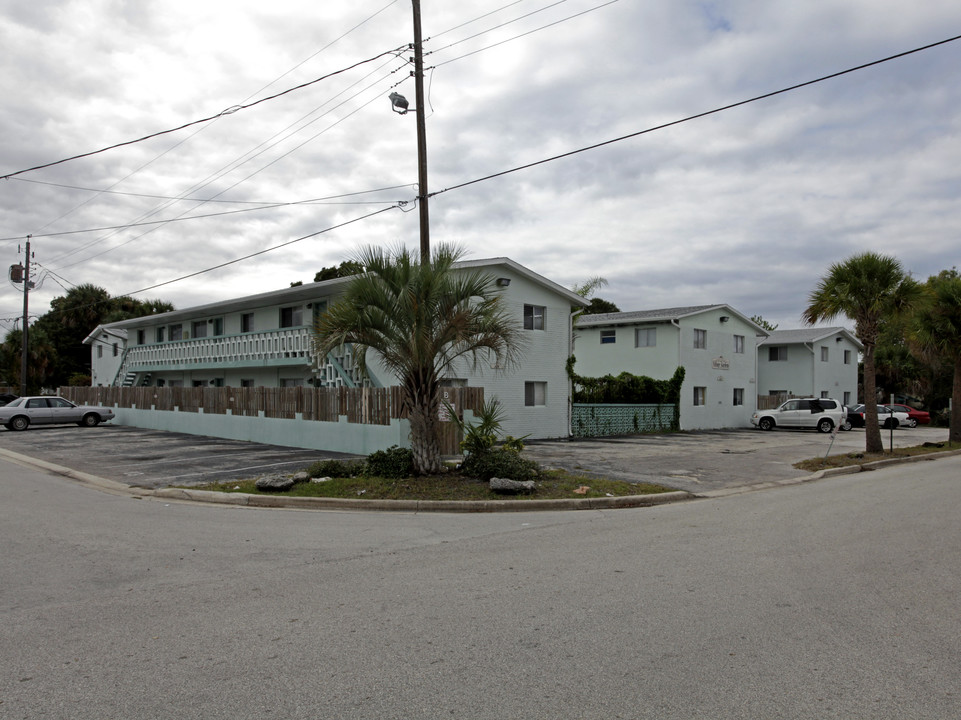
[(499, 462), (336, 468), (395, 462)]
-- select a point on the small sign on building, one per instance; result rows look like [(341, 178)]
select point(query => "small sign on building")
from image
[(720, 363)]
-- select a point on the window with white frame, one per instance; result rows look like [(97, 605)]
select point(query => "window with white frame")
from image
[(824, 353), (247, 323), (535, 393), (218, 326), (700, 396), (645, 337), (246, 383), (141, 337), (739, 344), (177, 332), (161, 334), (777, 353), (99, 351), (291, 317), (847, 397), (738, 396), (824, 393), (608, 337), (534, 316), (199, 329), (847, 357), (700, 339), (116, 349)]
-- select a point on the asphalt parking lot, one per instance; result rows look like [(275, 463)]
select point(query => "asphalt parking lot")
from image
[(693, 461)]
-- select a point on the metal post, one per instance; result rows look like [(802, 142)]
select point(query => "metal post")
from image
[(26, 324), (422, 193)]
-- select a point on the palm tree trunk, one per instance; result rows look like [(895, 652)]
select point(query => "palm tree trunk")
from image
[(423, 430), (872, 431)]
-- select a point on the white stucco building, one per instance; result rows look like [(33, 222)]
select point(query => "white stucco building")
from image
[(266, 340), (812, 362), (715, 344)]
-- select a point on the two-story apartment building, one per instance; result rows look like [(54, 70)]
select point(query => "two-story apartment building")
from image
[(715, 344), (812, 362), (266, 340)]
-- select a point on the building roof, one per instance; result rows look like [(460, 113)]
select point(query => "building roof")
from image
[(312, 291), (102, 331), (809, 335), (662, 315)]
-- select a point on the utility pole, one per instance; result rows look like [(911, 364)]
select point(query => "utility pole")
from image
[(26, 324), (422, 194)]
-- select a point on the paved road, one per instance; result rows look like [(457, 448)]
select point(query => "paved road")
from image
[(712, 460), (833, 599), (696, 462)]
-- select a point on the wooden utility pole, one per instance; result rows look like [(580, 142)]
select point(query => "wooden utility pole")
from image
[(422, 192), (26, 321)]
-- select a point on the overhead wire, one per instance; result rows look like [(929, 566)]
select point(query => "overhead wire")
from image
[(228, 111), (697, 116)]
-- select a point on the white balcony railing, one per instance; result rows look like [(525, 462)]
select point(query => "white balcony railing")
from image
[(292, 345)]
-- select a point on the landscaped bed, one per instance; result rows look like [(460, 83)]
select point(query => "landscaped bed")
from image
[(862, 458)]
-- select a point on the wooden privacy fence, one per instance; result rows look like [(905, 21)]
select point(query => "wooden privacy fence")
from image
[(362, 406), (769, 402)]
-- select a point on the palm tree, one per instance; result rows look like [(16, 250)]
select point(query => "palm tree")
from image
[(420, 319), (936, 330), (868, 288)]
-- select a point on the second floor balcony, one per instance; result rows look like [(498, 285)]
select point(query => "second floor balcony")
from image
[(290, 346)]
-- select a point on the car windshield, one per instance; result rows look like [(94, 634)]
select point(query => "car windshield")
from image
[(15, 403)]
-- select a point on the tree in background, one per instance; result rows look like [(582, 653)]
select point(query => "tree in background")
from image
[(56, 350), (761, 322), (935, 332), (419, 320), (598, 305), (345, 269), (868, 288)]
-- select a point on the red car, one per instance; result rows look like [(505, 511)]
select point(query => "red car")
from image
[(917, 417)]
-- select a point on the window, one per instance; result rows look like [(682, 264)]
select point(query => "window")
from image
[(534, 317), (177, 332), (738, 396), (99, 351), (161, 334), (700, 396), (291, 382), (246, 383), (700, 339), (116, 350), (247, 323), (141, 337), (847, 393), (218, 326), (608, 337), (645, 337), (824, 393), (739, 344), (199, 329), (847, 357), (777, 353), (535, 393), (291, 317), (824, 353)]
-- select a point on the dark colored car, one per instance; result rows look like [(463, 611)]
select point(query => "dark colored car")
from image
[(7, 397), (916, 417)]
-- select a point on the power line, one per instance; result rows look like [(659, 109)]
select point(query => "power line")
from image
[(228, 111), (498, 27), (698, 116)]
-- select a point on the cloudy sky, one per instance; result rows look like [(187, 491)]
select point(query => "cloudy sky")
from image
[(746, 207)]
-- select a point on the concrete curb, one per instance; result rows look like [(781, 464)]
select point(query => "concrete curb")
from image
[(448, 506)]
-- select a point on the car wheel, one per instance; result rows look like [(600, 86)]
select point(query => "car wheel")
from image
[(846, 425), (825, 425), (765, 423), (19, 423), (912, 422), (91, 420)]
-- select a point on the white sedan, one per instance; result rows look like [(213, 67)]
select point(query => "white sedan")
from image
[(19, 414)]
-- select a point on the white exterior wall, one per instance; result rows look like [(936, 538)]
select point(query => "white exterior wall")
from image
[(104, 365), (804, 374), (717, 367)]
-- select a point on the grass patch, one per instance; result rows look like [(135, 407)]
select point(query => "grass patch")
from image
[(861, 458), (551, 484)]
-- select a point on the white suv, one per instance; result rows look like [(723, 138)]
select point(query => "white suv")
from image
[(822, 413)]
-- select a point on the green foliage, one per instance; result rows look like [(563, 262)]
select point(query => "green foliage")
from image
[(79, 380), (499, 462), (394, 463), (760, 321), (336, 468), (599, 306), (345, 269), (627, 389)]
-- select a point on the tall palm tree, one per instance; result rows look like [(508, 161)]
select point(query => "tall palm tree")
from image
[(868, 288), (420, 319), (936, 329)]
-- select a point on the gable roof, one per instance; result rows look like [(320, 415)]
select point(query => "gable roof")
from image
[(312, 291), (809, 335), (104, 330), (662, 315)]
